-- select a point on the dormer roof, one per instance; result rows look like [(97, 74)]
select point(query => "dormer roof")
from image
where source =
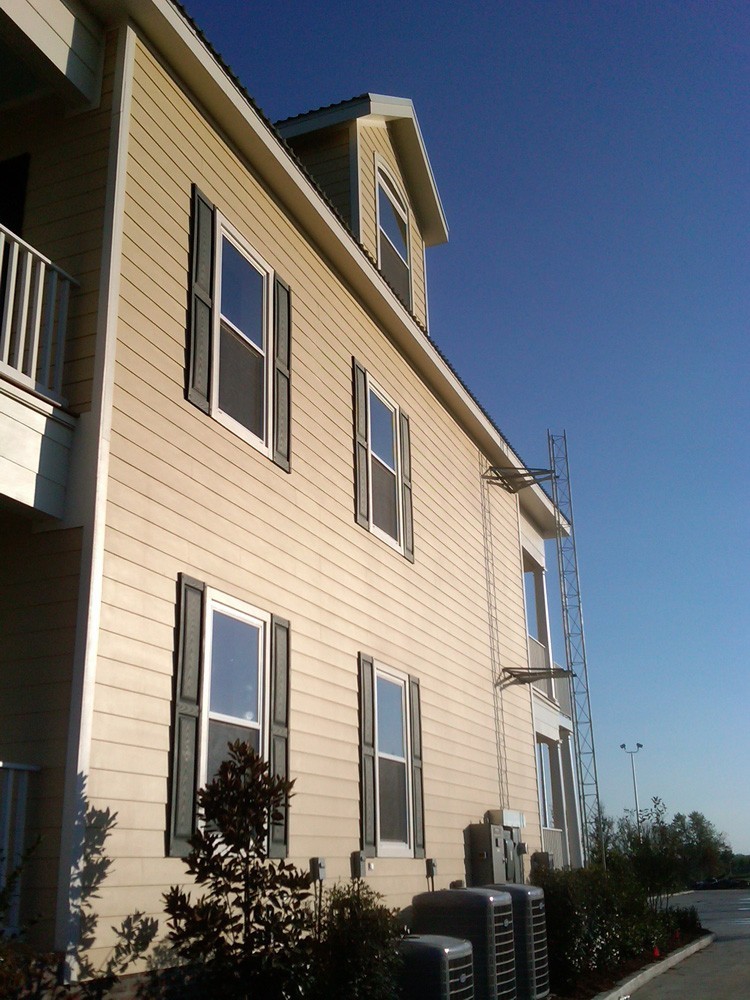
[(403, 125)]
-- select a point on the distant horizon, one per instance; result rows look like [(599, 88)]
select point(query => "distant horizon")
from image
[(593, 163)]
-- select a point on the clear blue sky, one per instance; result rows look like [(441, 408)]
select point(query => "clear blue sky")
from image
[(593, 162)]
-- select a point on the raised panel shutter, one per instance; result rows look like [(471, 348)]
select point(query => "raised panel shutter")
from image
[(416, 768), (406, 488), (367, 797), (201, 301), (361, 465), (282, 375), (186, 715), (278, 840)]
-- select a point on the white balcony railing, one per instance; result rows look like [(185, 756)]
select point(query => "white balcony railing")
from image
[(539, 660), (34, 296), (553, 842), (14, 790), (564, 694)]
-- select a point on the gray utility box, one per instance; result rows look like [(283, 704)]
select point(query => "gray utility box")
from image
[(485, 918), (530, 933), (436, 967), (488, 850)]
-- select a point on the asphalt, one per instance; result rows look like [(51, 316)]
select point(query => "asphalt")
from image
[(719, 972)]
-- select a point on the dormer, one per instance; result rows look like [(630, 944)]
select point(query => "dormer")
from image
[(368, 156)]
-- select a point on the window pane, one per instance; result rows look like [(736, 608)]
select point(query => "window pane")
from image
[(392, 223), (392, 801), (242, 377), (383, 431), (390, 717), (221, 733), (395, 271), (235, 664), (242, 293), (384, 499)]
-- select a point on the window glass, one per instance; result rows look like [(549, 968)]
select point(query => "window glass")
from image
[(235, 665), (242, 288), (221, 733), (242, 382), (384, 499), (394, 819), (392, 222), (390, 717), (383, 431)]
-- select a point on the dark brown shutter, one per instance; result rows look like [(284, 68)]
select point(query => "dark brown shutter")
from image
[(367, 797), (361, 465), (416, 768), (201, 301), (186, 715), (282, 398), (278, 840), (406, 488)]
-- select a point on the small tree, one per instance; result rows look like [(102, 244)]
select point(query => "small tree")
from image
[(356, 954), (246, 935)]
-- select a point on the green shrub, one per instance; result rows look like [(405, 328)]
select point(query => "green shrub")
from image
[(596, 920), (356, 953), (248, 933)]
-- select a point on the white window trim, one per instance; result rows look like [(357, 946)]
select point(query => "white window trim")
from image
[(216, 601), (391, 848), (383, 170), (397, 544), (224, 229)]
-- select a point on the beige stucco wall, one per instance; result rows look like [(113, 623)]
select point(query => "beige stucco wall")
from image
[(186, 495)]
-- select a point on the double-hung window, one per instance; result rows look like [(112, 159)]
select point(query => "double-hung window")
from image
[(393, 236), (231, 683), (239, 337), (392, 813), (383, 502)]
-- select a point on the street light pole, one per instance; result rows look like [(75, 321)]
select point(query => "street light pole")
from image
[(638, 746)]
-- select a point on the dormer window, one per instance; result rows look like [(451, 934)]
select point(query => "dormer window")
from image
[(393, 237)]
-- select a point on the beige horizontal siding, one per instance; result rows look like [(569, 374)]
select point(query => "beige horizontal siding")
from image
[(64, 211), (376, 138), (38, 607), (327, 157), (185, 495)]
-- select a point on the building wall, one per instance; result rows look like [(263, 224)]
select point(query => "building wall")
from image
[(375, 138), (328, 157), (186, 495), (64, 213), (38, 606)]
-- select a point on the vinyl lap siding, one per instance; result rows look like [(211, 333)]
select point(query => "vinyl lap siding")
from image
[(326, 156), (38, 607), (185, 495), (376, 139), (64, 212)]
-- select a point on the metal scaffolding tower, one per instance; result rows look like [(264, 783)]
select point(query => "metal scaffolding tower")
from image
[(575, 645)]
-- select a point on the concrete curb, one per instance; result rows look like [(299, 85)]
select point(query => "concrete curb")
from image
[(627, 986)]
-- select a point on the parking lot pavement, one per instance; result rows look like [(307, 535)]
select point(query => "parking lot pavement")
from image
[(721, 971)]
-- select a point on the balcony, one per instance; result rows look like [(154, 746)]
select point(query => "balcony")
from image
[(36, 433), (553, 842), (14, 788), (539, 660)]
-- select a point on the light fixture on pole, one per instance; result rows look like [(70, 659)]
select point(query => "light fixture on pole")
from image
[(638, 746)]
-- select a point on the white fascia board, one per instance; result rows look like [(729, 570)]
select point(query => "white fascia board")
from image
[(400, 114), (182, 48)]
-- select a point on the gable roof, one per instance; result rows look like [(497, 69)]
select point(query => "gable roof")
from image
[(401, 117)]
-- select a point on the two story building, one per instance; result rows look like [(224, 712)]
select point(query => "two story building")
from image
[(242, 493)]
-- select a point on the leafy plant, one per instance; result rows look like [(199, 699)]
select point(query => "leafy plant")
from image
[(28, 974), (247, 935), (356, 954)]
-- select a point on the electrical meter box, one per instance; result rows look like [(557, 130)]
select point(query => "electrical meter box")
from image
[(487, 853)]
